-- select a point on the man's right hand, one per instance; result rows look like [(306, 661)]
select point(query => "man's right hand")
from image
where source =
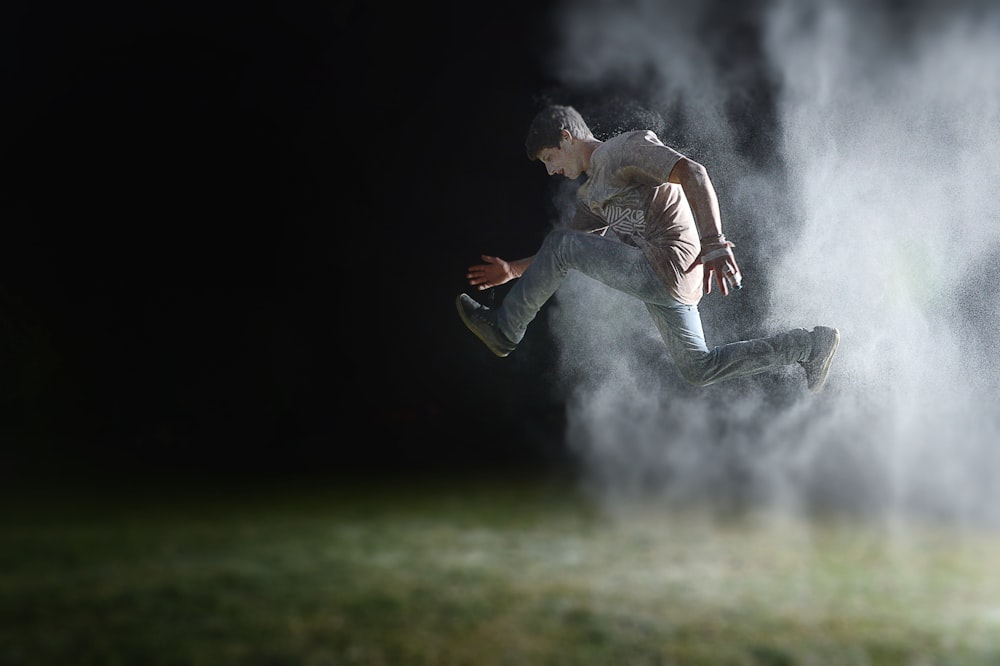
[(493, 273)]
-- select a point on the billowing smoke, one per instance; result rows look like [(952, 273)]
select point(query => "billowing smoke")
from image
[(856, 151)]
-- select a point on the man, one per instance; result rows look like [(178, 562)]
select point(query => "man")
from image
[(647, 224)]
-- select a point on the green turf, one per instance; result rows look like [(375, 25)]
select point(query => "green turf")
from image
[(481, 574)]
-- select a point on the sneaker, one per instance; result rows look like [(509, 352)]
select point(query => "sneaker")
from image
[(825, 341), (483, 322)]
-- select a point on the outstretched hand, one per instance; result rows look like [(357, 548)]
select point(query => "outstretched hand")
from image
[(493, 273), (720, 266)]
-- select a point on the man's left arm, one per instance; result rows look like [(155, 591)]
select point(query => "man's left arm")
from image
[(700, 193), (716, 253)]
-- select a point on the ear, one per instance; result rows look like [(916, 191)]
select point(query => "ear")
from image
[(566, 136)]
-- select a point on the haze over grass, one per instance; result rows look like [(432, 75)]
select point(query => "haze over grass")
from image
[(480, 573)]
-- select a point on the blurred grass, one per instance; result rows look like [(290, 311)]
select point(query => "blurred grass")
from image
[(476, 572)]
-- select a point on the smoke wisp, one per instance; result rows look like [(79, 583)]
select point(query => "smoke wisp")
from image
[(856, 151)]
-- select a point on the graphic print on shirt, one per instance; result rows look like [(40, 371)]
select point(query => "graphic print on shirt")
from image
[(625, 213)]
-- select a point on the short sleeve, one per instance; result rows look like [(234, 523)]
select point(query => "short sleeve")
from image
[(648, 160)]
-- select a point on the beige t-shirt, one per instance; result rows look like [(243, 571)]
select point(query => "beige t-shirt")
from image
[(627, 191)]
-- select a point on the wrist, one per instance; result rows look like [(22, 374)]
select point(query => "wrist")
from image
[(716, 253)]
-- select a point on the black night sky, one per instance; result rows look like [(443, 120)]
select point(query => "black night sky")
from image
[(233, 238)]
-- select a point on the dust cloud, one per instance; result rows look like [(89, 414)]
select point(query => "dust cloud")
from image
[(856, 150)]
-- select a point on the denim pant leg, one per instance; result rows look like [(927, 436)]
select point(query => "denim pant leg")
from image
[(621, 267), (625, 269), (681, 330)]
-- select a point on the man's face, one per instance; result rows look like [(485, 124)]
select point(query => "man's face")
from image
[(562, 160)]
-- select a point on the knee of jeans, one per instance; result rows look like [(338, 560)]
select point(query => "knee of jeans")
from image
[(558, 245), (695, 372), (557, 237), (696, 379)]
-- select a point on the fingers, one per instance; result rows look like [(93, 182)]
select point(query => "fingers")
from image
[(712, 275), (723, 283), (493, 273), (479, 270), (731, 280), (725, 280), (695, 263), (478, 276), (723, 269)]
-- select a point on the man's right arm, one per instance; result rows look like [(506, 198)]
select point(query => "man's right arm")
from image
[(496, 271)]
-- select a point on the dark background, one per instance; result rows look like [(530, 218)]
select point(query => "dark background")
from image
[(233, 238)]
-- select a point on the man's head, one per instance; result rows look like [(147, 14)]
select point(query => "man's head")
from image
[(546, 129), (558, 136)]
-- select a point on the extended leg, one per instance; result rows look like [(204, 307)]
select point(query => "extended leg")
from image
[(681, 330)]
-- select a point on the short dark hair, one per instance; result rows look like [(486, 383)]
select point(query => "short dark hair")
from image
[(546, 129)]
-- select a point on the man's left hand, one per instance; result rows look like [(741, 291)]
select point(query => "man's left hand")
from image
[(720, 264)]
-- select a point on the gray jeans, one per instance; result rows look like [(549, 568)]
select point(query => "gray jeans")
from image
[(625, 268)]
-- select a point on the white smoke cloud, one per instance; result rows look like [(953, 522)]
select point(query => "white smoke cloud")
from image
[(876, 212)]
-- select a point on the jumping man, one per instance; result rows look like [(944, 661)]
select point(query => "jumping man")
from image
[(647, 224)]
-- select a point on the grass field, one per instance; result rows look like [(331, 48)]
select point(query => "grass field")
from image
[(477, 573)]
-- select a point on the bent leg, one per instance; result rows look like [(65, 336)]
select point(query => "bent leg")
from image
[(619, 266), (625, 269)]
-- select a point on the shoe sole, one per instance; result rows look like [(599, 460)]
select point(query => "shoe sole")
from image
[(465, 320), (825, 369)]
